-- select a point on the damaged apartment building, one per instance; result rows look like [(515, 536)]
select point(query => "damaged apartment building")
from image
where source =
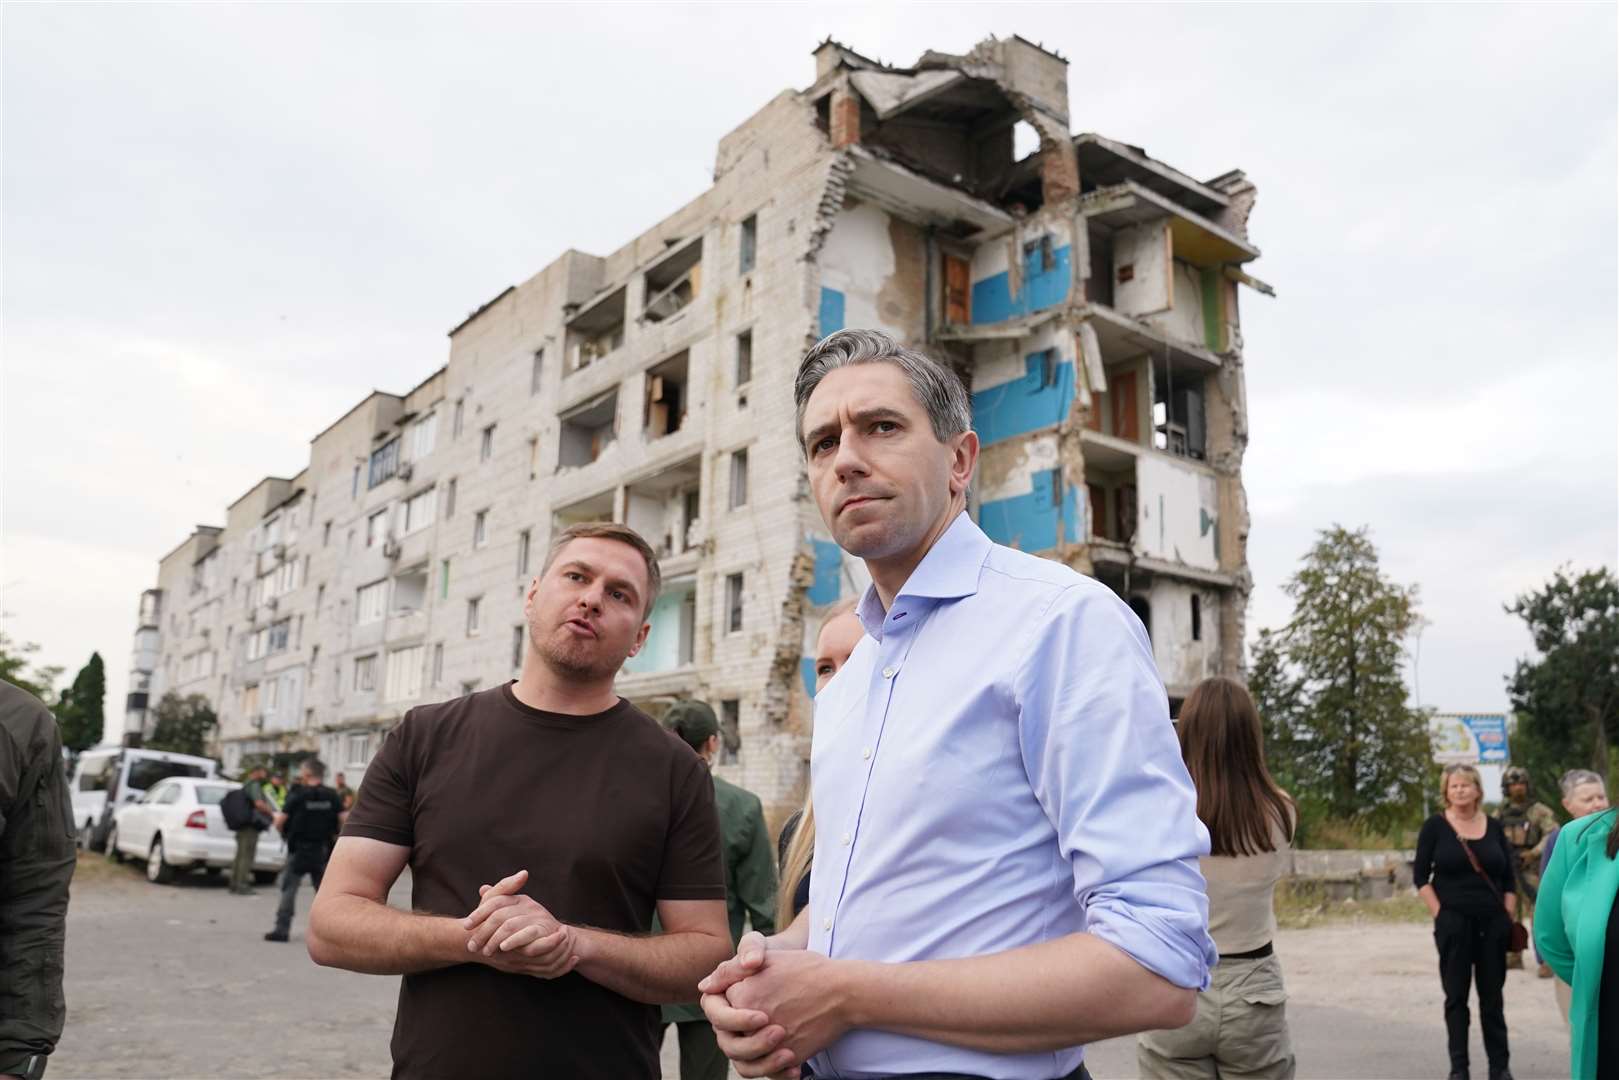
[(1086, 293)]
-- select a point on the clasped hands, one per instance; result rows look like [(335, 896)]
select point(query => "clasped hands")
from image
[(773, 1008), (516, 934)]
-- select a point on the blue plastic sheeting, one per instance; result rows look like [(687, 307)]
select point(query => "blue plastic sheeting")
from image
[(831, 311), (1029, 522), (1025, 404), (806, 667), (828, 573), (993, 301)]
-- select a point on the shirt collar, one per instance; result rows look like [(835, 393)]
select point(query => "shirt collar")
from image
[(948, 571)]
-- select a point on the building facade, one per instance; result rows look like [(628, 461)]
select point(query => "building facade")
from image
[(1085, 293)]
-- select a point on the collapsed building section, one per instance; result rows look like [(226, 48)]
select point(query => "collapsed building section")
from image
[(1086, 293)]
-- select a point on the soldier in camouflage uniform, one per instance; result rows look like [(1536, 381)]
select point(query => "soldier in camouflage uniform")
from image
[(1527, 824)]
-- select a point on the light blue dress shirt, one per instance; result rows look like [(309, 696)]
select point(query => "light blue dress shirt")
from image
[(995, 767)]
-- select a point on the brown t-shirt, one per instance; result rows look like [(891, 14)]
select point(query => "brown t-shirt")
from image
[(608, 813)]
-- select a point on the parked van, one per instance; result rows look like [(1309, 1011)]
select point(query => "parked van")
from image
[(112, 776)]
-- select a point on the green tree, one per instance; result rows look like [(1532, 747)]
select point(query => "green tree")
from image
[(1331, 688), (18, 668), (183, 724), (82, 710), (1567, 698), (1279, 696)]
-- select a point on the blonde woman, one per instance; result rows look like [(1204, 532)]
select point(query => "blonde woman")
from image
[(1463, 872), (840, 633), (1241, 1024)]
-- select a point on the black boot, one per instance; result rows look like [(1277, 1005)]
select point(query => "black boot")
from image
[(276, 935)]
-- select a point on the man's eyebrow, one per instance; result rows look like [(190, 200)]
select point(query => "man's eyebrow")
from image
[(866, 415), (616, 583)]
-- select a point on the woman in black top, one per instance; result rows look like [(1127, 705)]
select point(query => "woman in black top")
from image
[(1472, 913)]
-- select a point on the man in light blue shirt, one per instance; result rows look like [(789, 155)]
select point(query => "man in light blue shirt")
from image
[(1006, 858)]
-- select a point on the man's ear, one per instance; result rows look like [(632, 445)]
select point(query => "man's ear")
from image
[(711, 748), (640, 639), (963, 460)]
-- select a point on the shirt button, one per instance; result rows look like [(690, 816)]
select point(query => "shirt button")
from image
[(888, 673), (865, 753), (845, 839), (827, 925)]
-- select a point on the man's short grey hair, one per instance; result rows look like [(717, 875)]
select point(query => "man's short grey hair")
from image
[(1577, 777), (936, 387), (316, 767)]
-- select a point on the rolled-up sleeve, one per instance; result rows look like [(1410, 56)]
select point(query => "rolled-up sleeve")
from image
[(1102, 756)]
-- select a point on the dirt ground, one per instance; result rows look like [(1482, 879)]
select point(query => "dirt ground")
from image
[(176, 982)]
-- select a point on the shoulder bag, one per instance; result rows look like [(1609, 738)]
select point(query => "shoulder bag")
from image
[(1518, 937)]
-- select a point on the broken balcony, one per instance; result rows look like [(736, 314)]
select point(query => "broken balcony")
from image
[(665, 508), (596, 508), (665, 407), (1155, 263), (911, 196), (587, 430), (597, 331), (673, 283), (1105, 162)]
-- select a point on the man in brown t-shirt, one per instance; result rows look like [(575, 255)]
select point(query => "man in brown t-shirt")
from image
[(583, 811)]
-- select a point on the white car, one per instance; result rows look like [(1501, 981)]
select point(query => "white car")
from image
[(110, 777), (177, 825)]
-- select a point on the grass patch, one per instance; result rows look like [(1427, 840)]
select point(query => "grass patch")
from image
[(1345, 835), (1301, 904), (94, 866)]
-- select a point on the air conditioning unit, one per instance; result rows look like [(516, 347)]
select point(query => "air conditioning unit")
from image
[(252, 615), (272, 603), (278, 552), (406, 471), (390, 549)]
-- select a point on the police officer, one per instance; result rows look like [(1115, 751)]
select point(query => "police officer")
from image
[(275, 791), (309, 820), (750, 880), (1527, 825), (37, 854)]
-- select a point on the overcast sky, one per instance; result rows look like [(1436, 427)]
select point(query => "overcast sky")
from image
[(224, 224)]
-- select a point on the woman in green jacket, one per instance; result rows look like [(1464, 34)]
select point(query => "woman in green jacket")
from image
[(1577, 933)]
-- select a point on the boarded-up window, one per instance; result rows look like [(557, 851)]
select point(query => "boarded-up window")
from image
[(957, 291), (1126, 410), (1098, 496)]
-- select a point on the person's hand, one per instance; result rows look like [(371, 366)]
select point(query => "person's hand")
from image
[(771, 1021), (726, 1019), (515, 933)]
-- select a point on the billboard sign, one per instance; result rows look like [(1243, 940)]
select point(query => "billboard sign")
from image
[(1470, 738)]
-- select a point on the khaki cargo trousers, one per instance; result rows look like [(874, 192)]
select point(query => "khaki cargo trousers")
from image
[(1240, 1030)]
